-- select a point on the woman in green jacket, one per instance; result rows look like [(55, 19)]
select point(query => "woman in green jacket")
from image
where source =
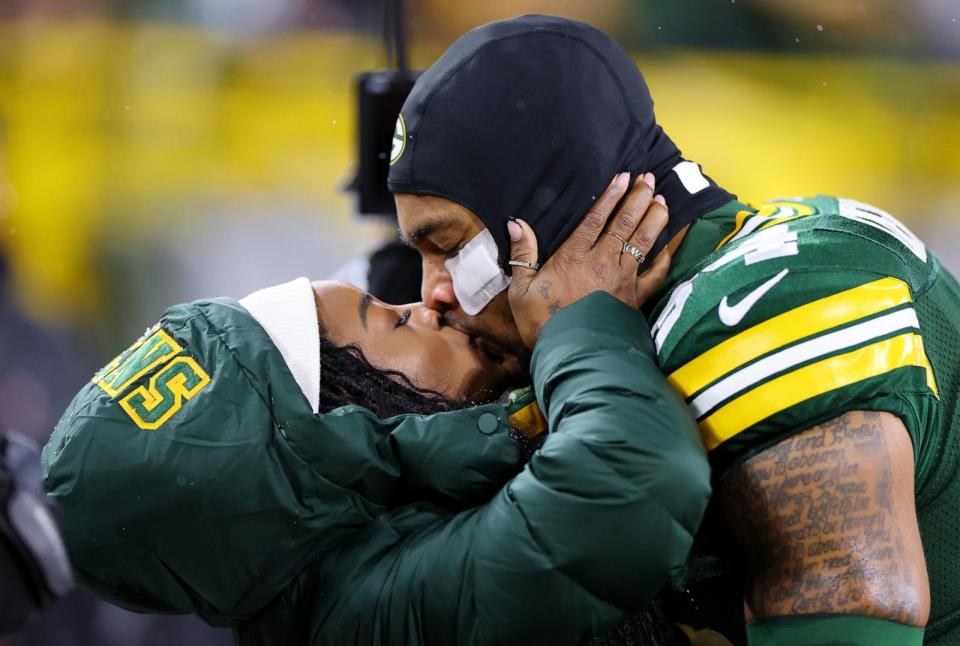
[(215, 468)]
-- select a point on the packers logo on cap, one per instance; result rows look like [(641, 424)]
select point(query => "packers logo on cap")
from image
[(399, 140)]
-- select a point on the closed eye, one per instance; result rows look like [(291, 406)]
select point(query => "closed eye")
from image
[(402, 320), (452, 252)]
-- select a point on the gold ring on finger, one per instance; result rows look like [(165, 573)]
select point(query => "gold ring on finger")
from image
[(622, 241)]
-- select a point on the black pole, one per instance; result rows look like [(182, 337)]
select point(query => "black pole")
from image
[(395, 34), (400, 34), (388, 30)]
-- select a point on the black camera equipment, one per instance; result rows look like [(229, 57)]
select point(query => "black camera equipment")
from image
[(380, 95), (34, 569)]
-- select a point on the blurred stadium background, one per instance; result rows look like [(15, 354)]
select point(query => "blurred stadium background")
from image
[(155, 151)]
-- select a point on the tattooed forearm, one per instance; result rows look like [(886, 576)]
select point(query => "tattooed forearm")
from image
[(824, 524), (544, 289)]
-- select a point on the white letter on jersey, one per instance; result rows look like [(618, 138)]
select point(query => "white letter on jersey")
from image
[(882, 220), (671, 313), (776, 242)]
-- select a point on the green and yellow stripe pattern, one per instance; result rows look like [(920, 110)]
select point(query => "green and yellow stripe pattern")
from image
[(811, 350)]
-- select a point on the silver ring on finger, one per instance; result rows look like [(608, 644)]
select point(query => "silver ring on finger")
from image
[(523, 263), (638, 255)]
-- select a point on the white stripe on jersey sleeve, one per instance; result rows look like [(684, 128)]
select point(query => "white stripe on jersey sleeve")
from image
[(781, 361)]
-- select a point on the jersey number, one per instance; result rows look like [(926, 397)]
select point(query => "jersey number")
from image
[(776, 242), (880, 219), (150, 405)]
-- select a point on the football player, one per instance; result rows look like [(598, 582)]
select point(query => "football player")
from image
[(815, 339)]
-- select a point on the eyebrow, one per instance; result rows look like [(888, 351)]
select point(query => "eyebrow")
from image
[(363, 307), (426, 229)]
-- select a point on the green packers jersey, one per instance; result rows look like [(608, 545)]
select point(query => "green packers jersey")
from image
[(782, 318)]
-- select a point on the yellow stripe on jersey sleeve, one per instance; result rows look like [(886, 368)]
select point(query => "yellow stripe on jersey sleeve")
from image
[(806, 320), (739, 221), (812, 380), (768, 214)]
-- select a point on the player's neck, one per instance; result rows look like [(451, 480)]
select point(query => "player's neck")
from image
[(677, 240)]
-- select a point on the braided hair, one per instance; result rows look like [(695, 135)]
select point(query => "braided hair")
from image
[(349, 378)]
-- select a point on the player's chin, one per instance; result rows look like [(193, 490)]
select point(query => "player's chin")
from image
[(490, 358), (481, 387), (502, 357), (482, 377)]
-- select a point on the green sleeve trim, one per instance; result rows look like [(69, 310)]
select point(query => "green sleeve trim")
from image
[(835, 629), (599, 321)]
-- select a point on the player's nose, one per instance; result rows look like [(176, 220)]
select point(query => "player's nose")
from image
[(437, 291)]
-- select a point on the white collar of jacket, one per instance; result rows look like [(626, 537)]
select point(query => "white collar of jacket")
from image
[(288, 313)]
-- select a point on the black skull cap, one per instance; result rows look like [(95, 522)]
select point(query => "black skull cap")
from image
[(532, 117)]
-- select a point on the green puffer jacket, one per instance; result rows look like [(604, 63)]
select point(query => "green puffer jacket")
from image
[(193, 477), (585, 533)]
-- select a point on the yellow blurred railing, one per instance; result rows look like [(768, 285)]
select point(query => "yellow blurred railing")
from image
[(102, 124)]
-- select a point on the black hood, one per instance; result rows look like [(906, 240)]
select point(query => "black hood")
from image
[(532, 117)]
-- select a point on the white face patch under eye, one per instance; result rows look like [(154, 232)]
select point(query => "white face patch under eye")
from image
[(476, 276)]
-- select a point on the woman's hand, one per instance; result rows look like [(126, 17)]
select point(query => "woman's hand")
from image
[(602, 254)]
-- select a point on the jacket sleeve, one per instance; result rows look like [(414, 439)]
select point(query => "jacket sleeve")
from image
[(586, 532), (217, 507)]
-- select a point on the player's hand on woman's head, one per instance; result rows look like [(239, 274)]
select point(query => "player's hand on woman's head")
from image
[(602, 254)]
